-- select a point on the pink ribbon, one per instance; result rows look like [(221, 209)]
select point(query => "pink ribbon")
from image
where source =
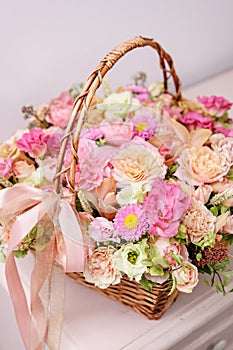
[(21, 208)]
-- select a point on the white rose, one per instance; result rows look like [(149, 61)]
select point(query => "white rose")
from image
[(119, 105), (186, 277), (132, 194)]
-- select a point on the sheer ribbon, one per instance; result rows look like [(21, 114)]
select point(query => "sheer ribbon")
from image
[(60, 239)]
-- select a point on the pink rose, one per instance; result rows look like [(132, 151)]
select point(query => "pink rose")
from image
[(116, 133), (22, 169), (186, 277), (215, 106), (33, 142), (195, 120), (100, 269), (5, 167), (168, 247), (164, 206), (60, 110)]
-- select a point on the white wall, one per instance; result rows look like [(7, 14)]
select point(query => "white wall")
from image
[(47, 45)]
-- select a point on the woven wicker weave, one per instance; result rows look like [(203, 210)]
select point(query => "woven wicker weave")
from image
[(150, 304)]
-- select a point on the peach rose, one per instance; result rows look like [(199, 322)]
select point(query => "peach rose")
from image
[(186, 277), (201, 165), (137, 163), (22, 169)]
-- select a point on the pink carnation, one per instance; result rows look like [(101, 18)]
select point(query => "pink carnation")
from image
[(195, 120), (215, 106), (228, 132), (164, 206), (95, 167), (60, 110), (5, 167), (33, 142)]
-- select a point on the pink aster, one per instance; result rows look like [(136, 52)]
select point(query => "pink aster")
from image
[(144, 126), (131, 222), (215, 106), (195, 120)]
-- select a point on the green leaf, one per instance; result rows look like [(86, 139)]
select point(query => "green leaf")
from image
[(174, 282), (162, 261), (198, 256), (2, 257), (228, 273), (206, 269), (221, 265), (228, 237), (146, 284), (229, 175), (207, 282), (223, 209), (214, 210), (226, 282), (20, 253), (218, 288), (156, 270)]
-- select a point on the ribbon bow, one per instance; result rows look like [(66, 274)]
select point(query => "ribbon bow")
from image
[(21, 209)]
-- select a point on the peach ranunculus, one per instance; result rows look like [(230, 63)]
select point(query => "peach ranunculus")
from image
[(137, 163), (201, 165), (100, 269), (198, 221), (22, 169), (186, 277)]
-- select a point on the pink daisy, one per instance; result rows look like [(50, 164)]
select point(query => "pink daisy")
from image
[(144, 126), (130, 222)]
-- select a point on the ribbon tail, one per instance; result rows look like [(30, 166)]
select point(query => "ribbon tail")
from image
[(18, 298)]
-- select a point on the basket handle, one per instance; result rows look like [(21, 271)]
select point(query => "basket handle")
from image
[(83, 101)]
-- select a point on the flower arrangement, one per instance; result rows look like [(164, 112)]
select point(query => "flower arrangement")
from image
[(154, 179)]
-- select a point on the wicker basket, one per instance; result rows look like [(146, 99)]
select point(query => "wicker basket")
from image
[(150, 304)]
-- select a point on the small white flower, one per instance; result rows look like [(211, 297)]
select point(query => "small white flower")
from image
[(129, 259)]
